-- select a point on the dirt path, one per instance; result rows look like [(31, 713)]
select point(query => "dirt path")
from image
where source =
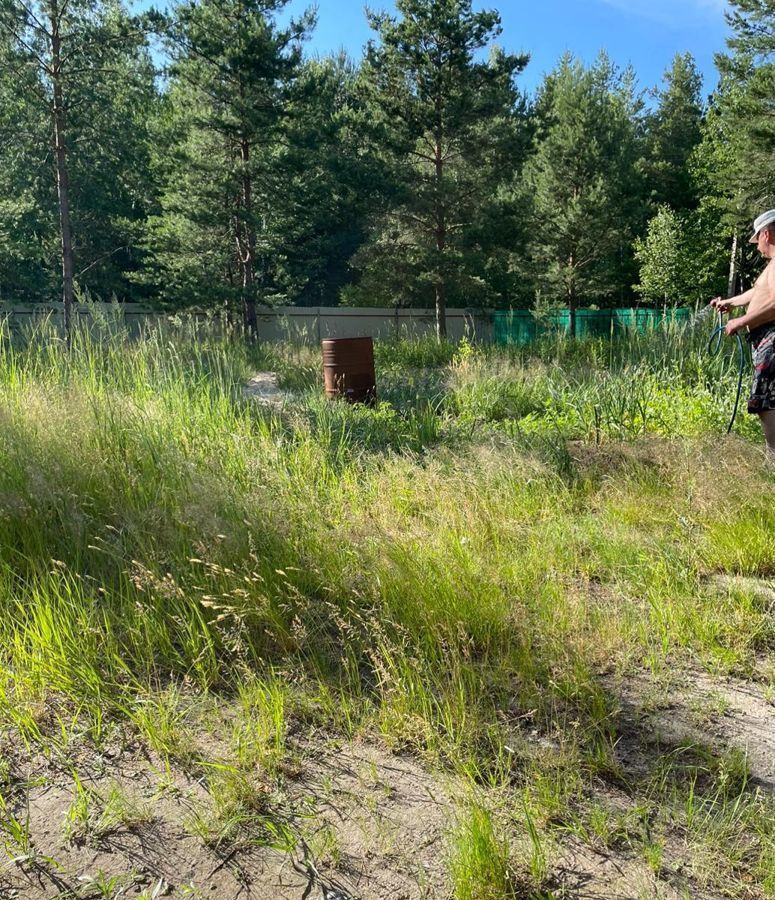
[(263, 387)]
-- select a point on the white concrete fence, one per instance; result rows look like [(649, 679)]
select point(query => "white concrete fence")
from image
[(316, 323), (309, 324)]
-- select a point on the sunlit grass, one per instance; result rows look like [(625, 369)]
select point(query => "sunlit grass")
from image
[(467, 555)]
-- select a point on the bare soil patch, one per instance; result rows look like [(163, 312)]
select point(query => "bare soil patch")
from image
[(264, 388), (368, 824), (725, 713)]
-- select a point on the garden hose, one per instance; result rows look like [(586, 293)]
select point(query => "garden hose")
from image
[(714, 348)]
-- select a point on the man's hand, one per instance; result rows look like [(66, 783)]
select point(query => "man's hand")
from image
[(722, 304), (734, 325)]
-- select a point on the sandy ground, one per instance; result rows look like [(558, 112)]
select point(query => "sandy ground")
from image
[(367, 823), (372, 824), (263, 388)]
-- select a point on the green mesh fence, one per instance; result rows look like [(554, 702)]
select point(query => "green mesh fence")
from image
[(520, 326)]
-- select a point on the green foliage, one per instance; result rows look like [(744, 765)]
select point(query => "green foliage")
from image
[(414, 353), (114, 188), (743, 111), (420, 174), (672, 133), (670, 261), (580, 184), (443, 123), (27, 207), (328, 186), (232, 72), (479, 858), (107, 83)]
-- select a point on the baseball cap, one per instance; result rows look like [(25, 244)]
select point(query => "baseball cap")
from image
[(766, 218)]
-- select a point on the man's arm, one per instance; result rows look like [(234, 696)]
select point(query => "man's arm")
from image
[(724, 304), (761, 307)]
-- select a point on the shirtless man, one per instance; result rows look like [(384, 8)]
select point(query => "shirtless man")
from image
[(760, 322)]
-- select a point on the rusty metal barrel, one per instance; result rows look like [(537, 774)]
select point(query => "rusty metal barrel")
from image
[(348, 369)]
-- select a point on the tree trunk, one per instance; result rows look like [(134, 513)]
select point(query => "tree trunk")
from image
[(63, 187), (441, 243), (572, 300), (732, 280), (248, 250), (231, 320), (572, 314), (441, 312)]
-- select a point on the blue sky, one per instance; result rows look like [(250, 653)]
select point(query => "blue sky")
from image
[(646, 33)]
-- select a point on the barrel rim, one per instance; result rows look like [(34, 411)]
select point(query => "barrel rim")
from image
[(367, 337)]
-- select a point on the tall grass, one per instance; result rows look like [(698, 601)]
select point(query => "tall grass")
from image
[(480, 861), (167, 524), (437, 569)]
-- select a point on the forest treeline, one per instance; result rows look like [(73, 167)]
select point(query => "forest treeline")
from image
[(198, 156)]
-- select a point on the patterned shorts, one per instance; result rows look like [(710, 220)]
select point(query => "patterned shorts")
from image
[(762, 340)]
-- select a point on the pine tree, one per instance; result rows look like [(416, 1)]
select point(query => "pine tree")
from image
[(28, 228), (752, 24), (437, 116), (113, 190), (673, 131), (581, 185), (746, 104), (232, 68), (190, 245), (734, 166), (329, 186)]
